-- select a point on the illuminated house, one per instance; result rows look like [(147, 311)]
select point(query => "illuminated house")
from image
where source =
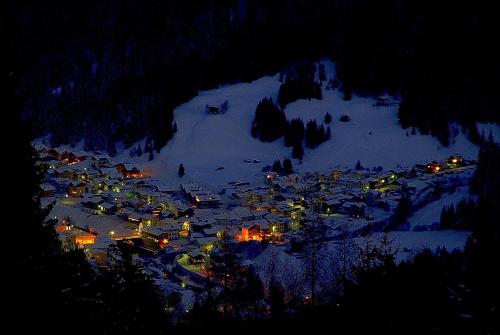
[(65, 172), (70, 158), (76, 190), (102, 250), (107, 208), (199, 197), (111, 173), (331, 206), (277, 225), (127, 172), (157, 237), (196, 257), (91, 202), (206, 244), (433, 167), (207, 200), (133, 173), (455, 161), (270, 176), (254, 231), (71, 237)]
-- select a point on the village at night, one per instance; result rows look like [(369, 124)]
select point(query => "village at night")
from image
[(319, 167)]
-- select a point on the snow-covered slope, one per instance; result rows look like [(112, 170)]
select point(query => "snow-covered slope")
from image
[(431, 213), (205, 142)]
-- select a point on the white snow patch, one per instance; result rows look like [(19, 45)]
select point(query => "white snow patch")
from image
[(205, 142), (431, 213)]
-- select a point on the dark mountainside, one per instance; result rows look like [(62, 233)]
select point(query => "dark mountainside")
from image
[(110, 71)]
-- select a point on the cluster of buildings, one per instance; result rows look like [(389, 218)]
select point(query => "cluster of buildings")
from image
[(102, 203)]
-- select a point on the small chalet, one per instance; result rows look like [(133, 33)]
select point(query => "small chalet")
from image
[(76, 190)]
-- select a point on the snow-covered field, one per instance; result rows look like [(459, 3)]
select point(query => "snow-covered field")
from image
[(205, 142), (430, 214)]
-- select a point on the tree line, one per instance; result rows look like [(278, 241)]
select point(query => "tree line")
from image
[(100, 71)]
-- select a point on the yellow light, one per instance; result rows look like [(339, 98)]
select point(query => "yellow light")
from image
[(454, 160), (112, 232)]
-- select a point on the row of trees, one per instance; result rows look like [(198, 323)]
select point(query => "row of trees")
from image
[(54, 286), (286, 168), (121, 82), (269, 122), (316, 134), (463, 217), (55, 290), (300, 83)]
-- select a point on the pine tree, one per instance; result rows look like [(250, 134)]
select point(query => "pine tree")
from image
[(174, 127), (328, 118), (298, 151), (276, 300), (402, 211), (139, 150), (287, 166), (133, 302), (347, 94), (344, 118), (358, 166), (269, 122), (180, 172), (277, 166)]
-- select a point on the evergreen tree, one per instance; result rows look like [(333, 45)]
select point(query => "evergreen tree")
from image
[(402, 211), (345, 118), (180, 172), (276, 300), (133, 302), (347, 94), (139, 150), (298, 151), (358, 166), (299, 85), (49, 280), (328, 118), (287, 166), (269, 122), (277, 166)]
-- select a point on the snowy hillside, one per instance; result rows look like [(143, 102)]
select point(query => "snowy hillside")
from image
[(205, 142)]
